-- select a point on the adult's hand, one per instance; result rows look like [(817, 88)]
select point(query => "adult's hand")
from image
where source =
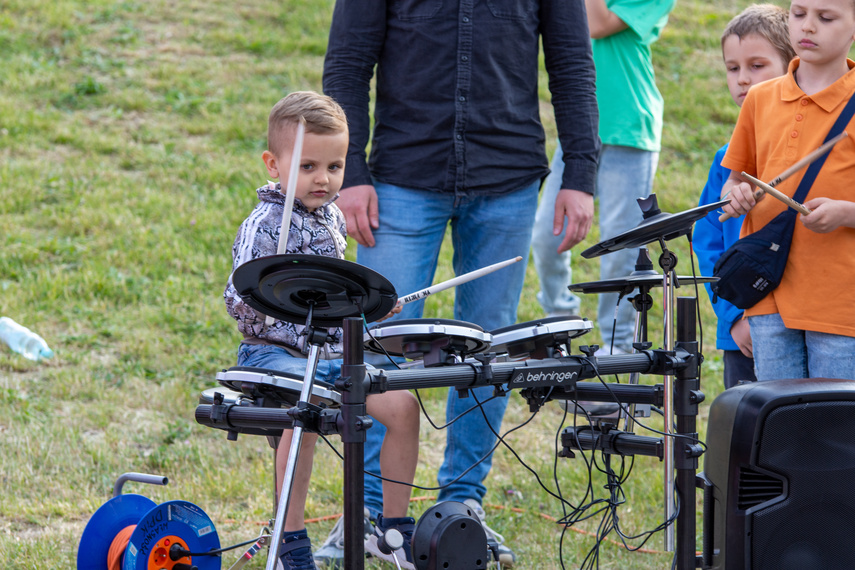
[(577, 208), (359, 205)]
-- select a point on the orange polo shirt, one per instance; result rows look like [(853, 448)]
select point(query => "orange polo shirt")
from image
[(778, 124)]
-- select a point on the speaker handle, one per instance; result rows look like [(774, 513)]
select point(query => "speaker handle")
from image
[(708, 520)]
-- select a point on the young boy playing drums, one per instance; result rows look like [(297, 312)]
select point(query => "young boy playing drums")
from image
[(806, 326), (317, 228), (756, 47)]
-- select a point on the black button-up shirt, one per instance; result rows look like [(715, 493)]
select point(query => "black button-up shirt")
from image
[(457, 106)]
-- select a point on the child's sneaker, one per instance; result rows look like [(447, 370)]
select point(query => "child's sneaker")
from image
[(507, 558), (404, 525), (295, 552)]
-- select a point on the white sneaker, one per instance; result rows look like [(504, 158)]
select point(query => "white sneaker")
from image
[(608, 351), (507, 558), (404, 555), (331, 553)]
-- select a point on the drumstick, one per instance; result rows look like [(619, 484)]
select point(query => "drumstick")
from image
[(456, 281), (291, 188), (806, 160), (810, 157), (290, 191), (778, 194)]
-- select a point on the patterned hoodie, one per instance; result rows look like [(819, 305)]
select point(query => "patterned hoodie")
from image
[(321, 232)]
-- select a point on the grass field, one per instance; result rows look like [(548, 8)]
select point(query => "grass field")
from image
[(130, 142)]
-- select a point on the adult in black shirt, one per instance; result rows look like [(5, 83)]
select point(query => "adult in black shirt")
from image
[(457, 138)]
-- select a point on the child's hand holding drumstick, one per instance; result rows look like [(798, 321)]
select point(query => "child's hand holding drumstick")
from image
[(763, 188)]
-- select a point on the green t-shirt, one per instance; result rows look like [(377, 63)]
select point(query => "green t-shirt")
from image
[(630, 103)]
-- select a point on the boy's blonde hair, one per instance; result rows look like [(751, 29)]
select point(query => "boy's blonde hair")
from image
[(322, 114), (767, 21)]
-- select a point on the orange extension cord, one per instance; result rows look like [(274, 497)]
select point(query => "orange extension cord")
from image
[(118, 546)]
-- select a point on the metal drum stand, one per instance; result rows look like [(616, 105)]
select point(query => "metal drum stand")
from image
[(320, 292), (658, 226)]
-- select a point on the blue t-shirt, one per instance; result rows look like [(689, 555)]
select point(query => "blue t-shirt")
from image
[(710, 239)]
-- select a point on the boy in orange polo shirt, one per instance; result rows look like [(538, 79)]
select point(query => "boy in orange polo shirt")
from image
[(805, 327)]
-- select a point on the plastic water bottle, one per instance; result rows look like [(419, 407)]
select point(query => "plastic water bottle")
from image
[(23, 341)]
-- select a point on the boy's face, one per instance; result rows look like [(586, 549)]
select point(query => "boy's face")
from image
[(822, 31), (749, 60), (321, 167)]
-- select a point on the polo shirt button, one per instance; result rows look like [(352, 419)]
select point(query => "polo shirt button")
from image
[(804, 102), (461, 98), (464, 58), (794, 134), (799, 117), (459, 137), (465, 19)]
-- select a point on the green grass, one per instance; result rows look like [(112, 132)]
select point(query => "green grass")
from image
[(130, 138)]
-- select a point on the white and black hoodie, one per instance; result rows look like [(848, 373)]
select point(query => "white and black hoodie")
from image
[(321, 232)]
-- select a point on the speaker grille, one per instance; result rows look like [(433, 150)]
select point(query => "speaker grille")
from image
[(810, 444), (756, 488)]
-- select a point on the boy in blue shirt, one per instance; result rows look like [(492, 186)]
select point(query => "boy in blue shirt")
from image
[(756, 47)]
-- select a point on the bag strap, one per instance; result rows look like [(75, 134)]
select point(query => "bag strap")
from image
[(812, 171)]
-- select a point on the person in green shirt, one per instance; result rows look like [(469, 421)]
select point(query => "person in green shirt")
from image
[(630, 128)]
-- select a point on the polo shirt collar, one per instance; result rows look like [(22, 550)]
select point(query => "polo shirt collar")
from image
[(830, 97)]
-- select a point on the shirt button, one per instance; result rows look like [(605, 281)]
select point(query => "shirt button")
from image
[(464, 58), (794, 134), (465, 19), (804, 102), (459, 137), (461, 98), (799, 117)]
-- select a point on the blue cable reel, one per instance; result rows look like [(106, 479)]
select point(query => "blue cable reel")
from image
[(174, 535), (113, 516), (163, 530)]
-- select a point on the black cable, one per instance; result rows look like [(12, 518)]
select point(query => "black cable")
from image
[(607, 507), (179, 550), (635, 421), (697, 308), (501, 440), (438, 488)]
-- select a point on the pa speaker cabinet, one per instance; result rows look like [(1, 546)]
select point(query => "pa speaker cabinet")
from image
[(780, 476)]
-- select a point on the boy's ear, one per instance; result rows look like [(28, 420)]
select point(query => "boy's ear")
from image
[(270, 162)]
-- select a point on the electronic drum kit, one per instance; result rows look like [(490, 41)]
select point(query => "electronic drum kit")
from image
[(534, 357)]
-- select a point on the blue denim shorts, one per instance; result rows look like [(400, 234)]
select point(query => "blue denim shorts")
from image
[(781, 353)]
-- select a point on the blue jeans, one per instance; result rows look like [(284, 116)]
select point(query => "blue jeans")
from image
[(484, 230), (781, 353), (623, 175), (277, 358)]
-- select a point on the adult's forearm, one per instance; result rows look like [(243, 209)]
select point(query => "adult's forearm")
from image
[(356, 38), (572, 83)]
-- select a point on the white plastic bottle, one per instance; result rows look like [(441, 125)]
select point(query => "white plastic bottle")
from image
[(23, 341)]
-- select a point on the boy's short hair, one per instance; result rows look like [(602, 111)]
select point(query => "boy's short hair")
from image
[(322, 115), (768, 21)]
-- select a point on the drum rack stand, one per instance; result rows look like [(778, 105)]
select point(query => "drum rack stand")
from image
[(539, 382), (683, 362)]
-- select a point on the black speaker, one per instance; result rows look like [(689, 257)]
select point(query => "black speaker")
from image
[(779, 473)]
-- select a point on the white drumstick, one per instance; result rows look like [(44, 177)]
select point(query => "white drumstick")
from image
[(290, 191), (456, 281), (291, 188)]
